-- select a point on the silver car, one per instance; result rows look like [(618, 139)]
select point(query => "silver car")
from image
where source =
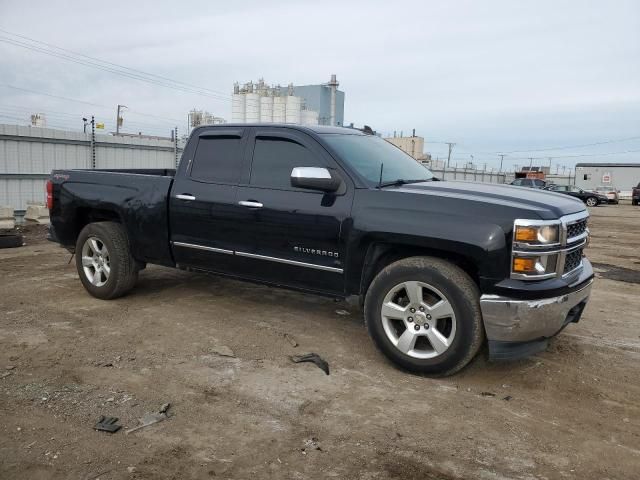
[(610, 192)]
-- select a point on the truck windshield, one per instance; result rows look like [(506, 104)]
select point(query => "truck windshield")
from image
[(365, 154)]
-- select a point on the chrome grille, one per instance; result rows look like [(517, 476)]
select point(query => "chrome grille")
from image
[(577, 228), (572, 260)]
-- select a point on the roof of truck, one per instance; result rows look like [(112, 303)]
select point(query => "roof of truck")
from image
[(312, 128)]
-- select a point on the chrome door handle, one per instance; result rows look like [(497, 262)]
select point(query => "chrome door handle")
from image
[(250, 203), (185, 196)]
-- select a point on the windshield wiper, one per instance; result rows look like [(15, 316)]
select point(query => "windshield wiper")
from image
[(400, 181)]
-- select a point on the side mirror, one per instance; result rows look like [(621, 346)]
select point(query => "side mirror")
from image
[(315, 178)]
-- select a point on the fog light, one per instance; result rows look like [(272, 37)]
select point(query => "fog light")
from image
[(524, 265), (535, 266)]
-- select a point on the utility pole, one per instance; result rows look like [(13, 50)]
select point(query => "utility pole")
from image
[(93, 142), (119, 118), (175, 145), (502, 155), (530, 163), (449, 157)]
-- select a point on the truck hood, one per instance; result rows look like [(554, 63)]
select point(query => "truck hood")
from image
[(542, 204)]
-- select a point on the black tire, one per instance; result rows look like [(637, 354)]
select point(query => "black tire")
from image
[(124, 271), (11, 241), (634, 202), (593, 199), (461, 292)]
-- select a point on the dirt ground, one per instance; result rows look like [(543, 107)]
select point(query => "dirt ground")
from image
[(216, 350)]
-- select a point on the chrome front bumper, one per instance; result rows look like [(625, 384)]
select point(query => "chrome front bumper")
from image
[(510, 320)]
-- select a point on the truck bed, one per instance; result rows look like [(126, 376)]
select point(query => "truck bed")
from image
[(137, 197)]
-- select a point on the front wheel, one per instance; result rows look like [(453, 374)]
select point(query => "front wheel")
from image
[(591, 201), (424, 314), (104, 262)]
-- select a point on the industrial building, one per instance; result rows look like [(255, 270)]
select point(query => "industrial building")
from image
[(198, 118), (622, 176), (412, 145), (305, 104)]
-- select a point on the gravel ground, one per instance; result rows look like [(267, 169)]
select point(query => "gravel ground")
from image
[(218, 351)]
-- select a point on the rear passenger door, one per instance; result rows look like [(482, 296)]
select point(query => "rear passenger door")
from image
[(291, 236), (203, 208)]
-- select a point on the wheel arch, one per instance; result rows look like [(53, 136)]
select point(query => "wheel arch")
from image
[(382, 253), (86, 215)]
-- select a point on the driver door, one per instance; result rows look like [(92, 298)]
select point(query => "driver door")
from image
[(291, 236)]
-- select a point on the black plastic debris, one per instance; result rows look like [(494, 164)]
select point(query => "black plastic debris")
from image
[(313, 358), (107, 424)]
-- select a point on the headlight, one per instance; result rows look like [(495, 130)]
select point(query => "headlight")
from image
[(537, 234)]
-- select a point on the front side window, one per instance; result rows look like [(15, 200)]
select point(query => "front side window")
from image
[(217, 160), (367, 153), (517, 182), (274, 158)]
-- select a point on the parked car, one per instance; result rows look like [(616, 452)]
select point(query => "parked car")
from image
[(591, 199), (529, 182), (611, 193), (635, 195), (438, 266)]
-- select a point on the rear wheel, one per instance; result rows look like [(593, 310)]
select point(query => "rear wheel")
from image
[(591, 201), (104, 262), (423, 313)]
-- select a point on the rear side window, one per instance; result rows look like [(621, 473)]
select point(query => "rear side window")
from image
[(517, 182), (527, 182), (539, 183), (273, 160), (217, 160)]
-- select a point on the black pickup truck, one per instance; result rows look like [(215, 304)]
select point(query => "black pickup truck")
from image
[(439, 266)]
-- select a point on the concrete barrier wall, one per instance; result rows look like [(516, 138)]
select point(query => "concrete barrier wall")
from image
[(28, 154)]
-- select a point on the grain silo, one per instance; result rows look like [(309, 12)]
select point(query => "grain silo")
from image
[(237, 108), (279, 109), (252, 107), (266, 109), (293, 109)]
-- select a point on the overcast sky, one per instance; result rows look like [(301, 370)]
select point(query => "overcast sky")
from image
[(490, 76)]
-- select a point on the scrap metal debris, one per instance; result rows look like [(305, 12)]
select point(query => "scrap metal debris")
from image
[(107, 424), (151, 418), (291, 340), (222, 351), (343, 312), (313, 358)]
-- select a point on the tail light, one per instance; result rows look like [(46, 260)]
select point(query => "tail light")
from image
[(49, 194)]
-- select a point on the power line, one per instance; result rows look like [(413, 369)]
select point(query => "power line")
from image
[(122, 71), (547, 149), (167, 119), (49, 45)]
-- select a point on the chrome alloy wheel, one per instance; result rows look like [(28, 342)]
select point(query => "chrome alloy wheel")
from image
[(592, 202), (95, 261), (418, 320)]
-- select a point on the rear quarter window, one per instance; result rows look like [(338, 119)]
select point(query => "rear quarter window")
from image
[(217, 159)]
